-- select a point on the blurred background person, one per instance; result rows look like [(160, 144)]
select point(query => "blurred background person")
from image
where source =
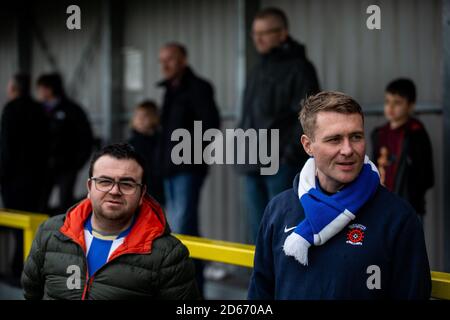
[(187, 98), (145, 135), (281, 78), (71, 138), (402, 147), (23, 155)]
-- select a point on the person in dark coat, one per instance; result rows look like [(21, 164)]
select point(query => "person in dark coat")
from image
[(402, 147), (114, 245), (24, 148), (23, 155), (145, 135), (281, 78), (71, 139), (187, 98)]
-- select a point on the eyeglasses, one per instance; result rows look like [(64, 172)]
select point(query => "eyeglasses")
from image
[(106, 185), (255, 34)]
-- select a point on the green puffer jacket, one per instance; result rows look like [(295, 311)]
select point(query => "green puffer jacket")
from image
[(149, 264)]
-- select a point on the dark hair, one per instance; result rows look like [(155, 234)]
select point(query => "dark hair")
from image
[(52, 81), (180, 47), (404, 88), (331, 101), (22, 82), (275, 13), (119, 151), (149, 106)]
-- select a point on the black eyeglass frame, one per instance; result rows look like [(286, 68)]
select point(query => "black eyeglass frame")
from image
[(114, 182)]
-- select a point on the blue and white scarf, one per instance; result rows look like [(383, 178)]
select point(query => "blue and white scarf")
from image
[(327, 215)]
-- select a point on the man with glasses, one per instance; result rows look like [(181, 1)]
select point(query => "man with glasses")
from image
[(115, 244), (280, 79)]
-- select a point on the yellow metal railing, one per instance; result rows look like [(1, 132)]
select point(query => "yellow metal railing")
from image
[(219, 251), (28, 222), (440, 285), (199, 248)]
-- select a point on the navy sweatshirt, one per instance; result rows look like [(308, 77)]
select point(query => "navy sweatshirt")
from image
[(386, 234)]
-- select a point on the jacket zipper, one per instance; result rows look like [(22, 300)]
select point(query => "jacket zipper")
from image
[(89, 280), (87, 287)]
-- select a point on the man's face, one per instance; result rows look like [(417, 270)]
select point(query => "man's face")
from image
[(114, 205), (44, 93), (172, 62), (338, 147), (267, 34), (396, 107)]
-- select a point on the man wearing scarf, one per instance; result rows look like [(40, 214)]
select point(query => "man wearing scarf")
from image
[(338, 234)]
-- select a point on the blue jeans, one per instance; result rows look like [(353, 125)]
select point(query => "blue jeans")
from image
[(182, 193), (261, 189)]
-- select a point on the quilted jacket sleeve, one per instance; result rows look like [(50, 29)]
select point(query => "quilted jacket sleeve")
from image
[(32, 279), (177, 274)]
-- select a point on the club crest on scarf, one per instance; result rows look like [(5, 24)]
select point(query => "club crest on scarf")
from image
[(327, 215)]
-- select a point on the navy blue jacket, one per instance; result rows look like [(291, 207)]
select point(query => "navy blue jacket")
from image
[(386, 233)]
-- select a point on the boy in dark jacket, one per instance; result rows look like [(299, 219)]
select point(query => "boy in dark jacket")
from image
[(145, 135), (402, 148)]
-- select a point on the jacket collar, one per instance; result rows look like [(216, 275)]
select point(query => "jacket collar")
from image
[(288, 50), (150, 224), (185, 77)]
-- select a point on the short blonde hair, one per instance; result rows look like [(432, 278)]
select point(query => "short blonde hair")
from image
[(330, 101)]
